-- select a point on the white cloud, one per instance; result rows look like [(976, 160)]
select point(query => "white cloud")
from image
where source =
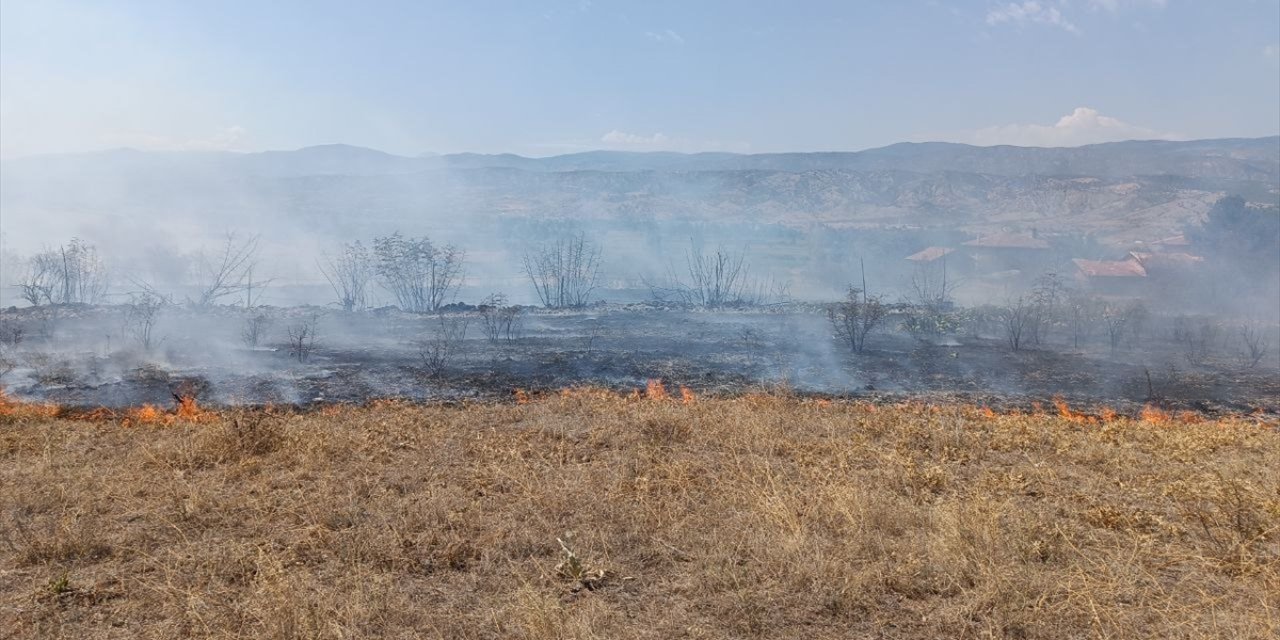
[(1082, 126), (1115, 5), (1029, 12), (228, 139), (666, 35), (622, 140)]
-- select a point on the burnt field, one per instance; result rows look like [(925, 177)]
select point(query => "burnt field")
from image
[(90, 356)]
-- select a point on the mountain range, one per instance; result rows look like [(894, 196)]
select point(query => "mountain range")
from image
[(1121, 190)]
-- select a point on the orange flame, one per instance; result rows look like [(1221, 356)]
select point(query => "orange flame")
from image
[(987, 412), (654, 390), (1155, 415), (146, 414), (1064, 411), (522, 397), (187, 409), (18, 409), (687, 396)]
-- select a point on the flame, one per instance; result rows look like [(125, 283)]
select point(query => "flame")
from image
[(17, 409), (687, 396), (146, 414), (1064, 411), (1155, 415), (187, 409), (1109, 414), (987, 412), (522, 397), (654, 390)]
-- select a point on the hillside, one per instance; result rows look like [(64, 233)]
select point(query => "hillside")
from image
[(1131, 190)]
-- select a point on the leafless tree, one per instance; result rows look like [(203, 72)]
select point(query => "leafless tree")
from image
[(564, 272), (302, 338), (140, 319), (1256, 344), (7, 363), (1196, 337), (255, 328), (715, 279), (11, 334), (1046, 298), (1016, 318), (1119, 319), (227, 271), (1083, 312), (40, 279), (349, 273), (500, 320), (72, 273), (439, 349), (931, 286), (855, 317), (420, 275)]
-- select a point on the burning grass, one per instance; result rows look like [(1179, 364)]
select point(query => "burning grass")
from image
[(586, 514)]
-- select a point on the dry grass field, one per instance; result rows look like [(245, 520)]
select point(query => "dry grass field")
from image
[(589, 515)]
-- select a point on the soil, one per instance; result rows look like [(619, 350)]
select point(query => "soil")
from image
[(83, 356)]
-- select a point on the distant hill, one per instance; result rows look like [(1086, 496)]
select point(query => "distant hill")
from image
[(1121, 190)]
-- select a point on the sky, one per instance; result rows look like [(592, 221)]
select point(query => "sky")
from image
[(544, 78)]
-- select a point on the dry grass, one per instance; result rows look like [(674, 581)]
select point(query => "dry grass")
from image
[(759, 517)]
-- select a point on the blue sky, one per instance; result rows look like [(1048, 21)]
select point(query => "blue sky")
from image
[(540, 78)]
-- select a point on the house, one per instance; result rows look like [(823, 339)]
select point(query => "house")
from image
[(1026, 252), (1174, 277), (942, 258), (1112, 277)]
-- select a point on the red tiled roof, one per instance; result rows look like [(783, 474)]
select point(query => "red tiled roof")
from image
[(1009, 241), (1110, 268), (930, 254)]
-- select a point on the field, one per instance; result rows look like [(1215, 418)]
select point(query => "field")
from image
[(590, 514)]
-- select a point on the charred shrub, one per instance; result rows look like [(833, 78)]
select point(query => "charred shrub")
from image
[(438, 349), (500, 321), (49, 369)]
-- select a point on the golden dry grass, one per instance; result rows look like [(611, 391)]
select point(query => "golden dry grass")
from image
[(756, 517)]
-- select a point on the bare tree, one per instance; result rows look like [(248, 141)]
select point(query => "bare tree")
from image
[(1196, 337), (40, 279), (11, 333), (349, 273), (1256, 344), (255, 328), (500, 320), (302, 338), (1016, 318), (439, 349), (140, 319), (565, 272), (715, 279), (1083, 313), (931, 286), (1046, 297), (72, 273), (420, 275), (1118, 319), (855, 317), (226, 272)]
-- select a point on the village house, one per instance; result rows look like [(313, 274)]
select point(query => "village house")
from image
[(1025, 252), (1112, 277)]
